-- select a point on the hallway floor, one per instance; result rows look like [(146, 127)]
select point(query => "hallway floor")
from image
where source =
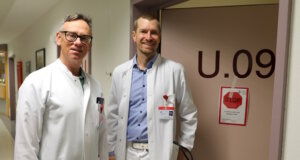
[(7, 134), (6, 138)]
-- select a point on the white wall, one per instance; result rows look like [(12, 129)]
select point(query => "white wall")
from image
[(291, 143), (111, 21)]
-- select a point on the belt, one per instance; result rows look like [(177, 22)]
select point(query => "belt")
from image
[(139, 145)]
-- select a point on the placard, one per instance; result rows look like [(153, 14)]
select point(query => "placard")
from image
[(233, 105), (40, 59)]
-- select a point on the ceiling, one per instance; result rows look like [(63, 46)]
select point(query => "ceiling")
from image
[(17, 15)]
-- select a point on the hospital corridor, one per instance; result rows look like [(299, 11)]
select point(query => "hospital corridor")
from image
[(149, 80)]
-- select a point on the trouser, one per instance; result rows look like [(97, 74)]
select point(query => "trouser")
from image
[(136, 154)]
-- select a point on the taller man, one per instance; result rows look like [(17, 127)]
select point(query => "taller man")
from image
[(146, 94)]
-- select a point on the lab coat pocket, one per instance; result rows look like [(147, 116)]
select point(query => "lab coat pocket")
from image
[(167, 109)]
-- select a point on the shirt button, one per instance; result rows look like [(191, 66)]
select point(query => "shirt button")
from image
[(139, 124), (141, 111), (143, 85), (143, 99)]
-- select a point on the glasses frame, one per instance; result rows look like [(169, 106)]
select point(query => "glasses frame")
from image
[(78, 36)]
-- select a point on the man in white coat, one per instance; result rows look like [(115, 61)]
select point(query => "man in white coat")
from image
[(147, 94), (59, 106)]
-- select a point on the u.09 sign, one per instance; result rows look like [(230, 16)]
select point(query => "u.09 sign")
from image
[(258, 59)]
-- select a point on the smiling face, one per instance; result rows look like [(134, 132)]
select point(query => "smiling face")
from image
[(72, 53), (146, 36)]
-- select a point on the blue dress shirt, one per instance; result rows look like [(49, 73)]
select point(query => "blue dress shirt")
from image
[(137, 116)]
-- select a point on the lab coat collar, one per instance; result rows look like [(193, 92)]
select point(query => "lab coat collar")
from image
[(69, 73), (157, 61), (64, 68)]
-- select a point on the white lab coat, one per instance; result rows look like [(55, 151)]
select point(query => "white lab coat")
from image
[(56, 120), (165, 77)]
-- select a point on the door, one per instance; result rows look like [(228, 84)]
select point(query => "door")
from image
[(226, 46), (12, 88)]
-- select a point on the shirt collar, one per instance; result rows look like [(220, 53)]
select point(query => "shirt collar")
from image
[(149, 64)]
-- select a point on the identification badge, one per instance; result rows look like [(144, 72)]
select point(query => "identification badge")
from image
[(167, 110)]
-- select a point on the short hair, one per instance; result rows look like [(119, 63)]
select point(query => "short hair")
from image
[(79, 16), (148, 17)]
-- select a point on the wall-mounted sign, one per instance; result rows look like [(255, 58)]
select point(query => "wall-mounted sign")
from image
[(233, 105), (260, 62)]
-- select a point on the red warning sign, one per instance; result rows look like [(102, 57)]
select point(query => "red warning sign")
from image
[(232, 100), (233, 105)]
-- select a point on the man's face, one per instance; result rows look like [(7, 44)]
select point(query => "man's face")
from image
[(146, 36), (72, 53)]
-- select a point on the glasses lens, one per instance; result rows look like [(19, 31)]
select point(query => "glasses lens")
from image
[(85, 39), (71, 36)]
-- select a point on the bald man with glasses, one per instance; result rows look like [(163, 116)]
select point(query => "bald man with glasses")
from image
[(59, 112)]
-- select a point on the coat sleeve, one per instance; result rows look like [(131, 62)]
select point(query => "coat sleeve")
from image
[(30, 110), (187, 113), (112, 115)]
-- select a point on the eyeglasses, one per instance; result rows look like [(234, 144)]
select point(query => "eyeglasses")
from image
[(72, 37)]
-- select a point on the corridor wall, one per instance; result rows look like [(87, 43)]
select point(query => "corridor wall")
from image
[(110, 31)]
